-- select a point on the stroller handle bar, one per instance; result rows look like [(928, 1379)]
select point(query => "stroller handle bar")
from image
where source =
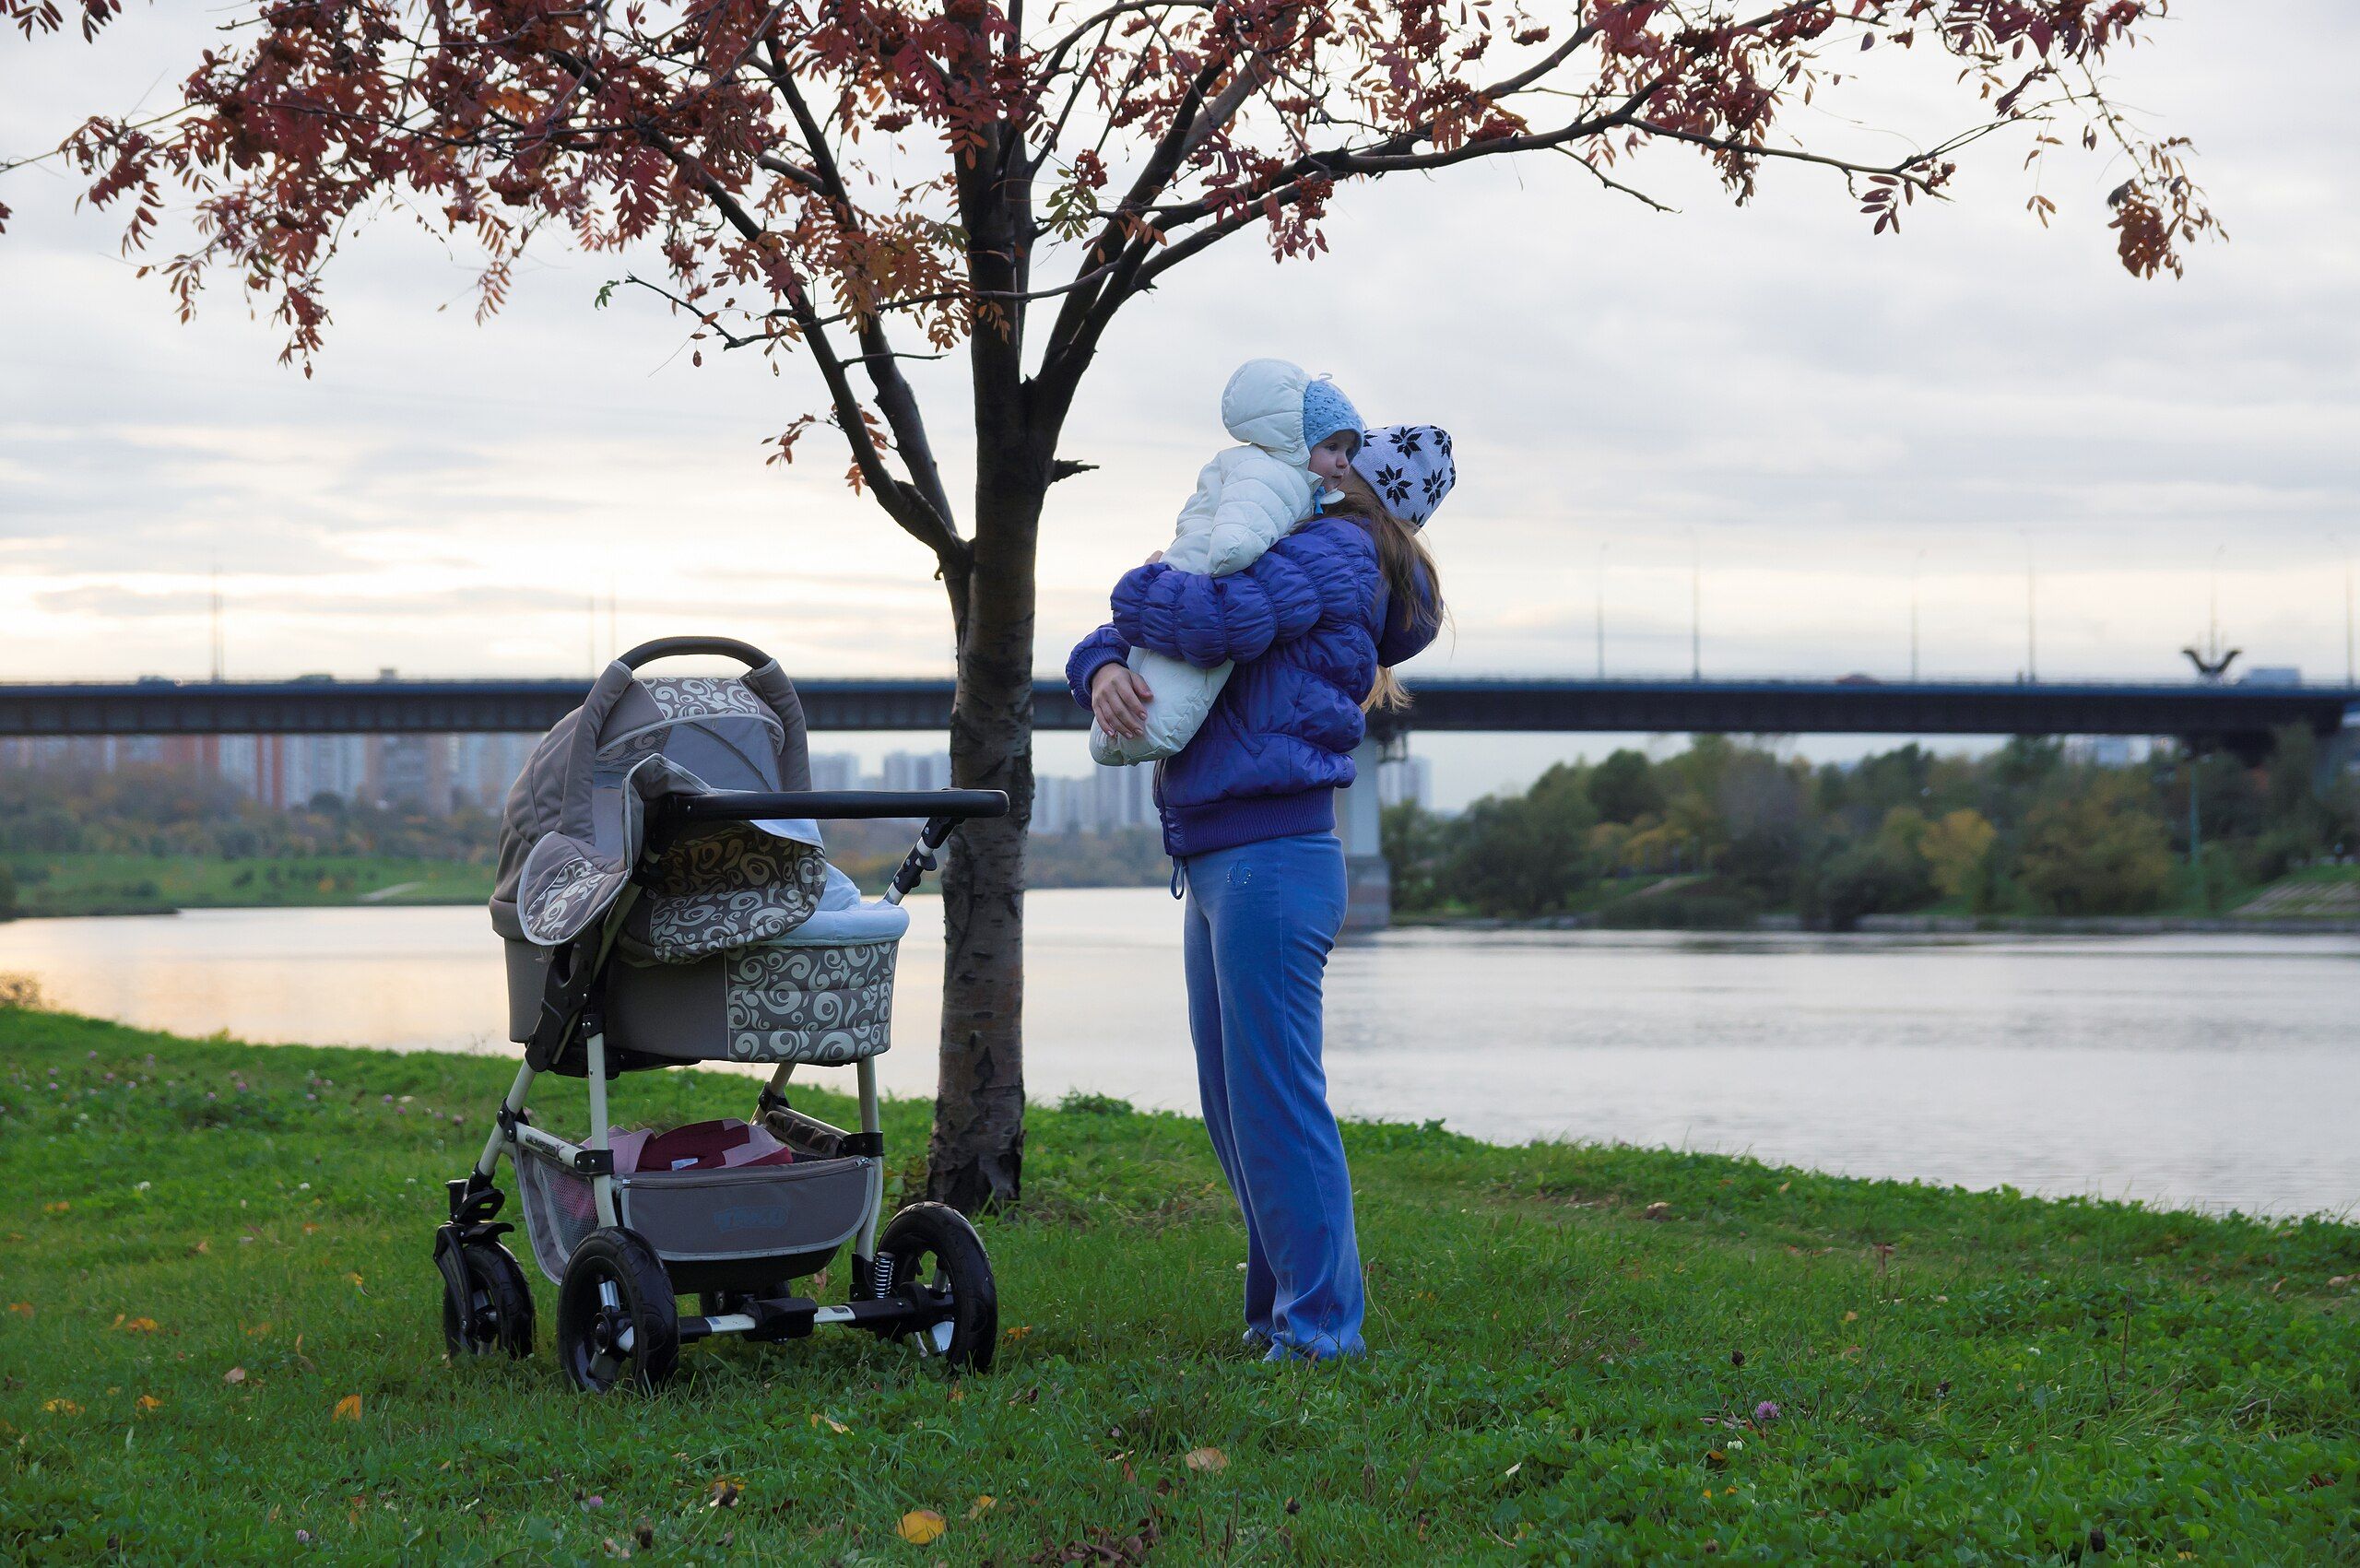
[(672, 647), (754, 805)]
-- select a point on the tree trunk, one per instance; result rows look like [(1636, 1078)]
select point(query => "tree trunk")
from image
[(975, 1160)]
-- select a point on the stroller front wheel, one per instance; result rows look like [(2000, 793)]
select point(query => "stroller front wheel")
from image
[(496, 1315), (940, 1266), (615, 1319)]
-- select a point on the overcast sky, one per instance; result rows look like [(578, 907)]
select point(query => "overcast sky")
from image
[(1822, 413)]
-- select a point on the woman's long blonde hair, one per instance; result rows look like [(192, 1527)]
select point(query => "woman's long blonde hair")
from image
[(1413, 581)]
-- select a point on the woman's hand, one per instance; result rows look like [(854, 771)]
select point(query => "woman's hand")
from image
[(1118, 700)]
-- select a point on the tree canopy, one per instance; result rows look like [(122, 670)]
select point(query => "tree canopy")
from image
[(865, 179)]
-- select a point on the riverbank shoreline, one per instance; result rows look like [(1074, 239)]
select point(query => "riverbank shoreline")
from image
[(1582, 1351), (1920, 924), (103, 886), (1870, 924)]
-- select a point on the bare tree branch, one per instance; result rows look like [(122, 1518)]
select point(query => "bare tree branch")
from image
[(894, 399)]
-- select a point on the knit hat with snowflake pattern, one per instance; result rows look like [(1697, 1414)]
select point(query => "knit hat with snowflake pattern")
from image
[(1409, 468)]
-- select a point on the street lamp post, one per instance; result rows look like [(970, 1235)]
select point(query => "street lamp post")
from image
[(1601, 608), (2350, 679), (1696, 607), (1914, 567), (2032, 616)]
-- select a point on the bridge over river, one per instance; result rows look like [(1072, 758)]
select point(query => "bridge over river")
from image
[(2238, 716)]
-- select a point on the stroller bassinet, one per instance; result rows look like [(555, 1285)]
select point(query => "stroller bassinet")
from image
[(664, 898)]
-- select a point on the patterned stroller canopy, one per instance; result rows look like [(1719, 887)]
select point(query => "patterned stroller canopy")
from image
[(576, 822)]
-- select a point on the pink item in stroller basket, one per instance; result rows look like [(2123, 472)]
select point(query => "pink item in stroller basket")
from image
[(699, 1146)]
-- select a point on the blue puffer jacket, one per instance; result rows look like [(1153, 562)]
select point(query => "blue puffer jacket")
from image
[(1307, 624)]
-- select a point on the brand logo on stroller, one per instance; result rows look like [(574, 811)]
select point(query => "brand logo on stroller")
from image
[(750, 1217)]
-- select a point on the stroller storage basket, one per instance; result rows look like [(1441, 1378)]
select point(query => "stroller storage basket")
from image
[(773, 1222)]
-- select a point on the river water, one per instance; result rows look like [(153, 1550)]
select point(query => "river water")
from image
[(2217, 1070)]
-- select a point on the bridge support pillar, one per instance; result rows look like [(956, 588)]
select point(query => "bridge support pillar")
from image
[(2339, 752), (1367, 878)]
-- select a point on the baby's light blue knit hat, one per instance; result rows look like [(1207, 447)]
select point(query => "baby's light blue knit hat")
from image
[(1326, 410)]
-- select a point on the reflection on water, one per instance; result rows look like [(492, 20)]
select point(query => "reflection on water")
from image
[(2211, 1069)]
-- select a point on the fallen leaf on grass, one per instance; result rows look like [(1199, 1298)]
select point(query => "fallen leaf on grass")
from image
[(347, 1409), (235, 1375), (1019, 1332), (355, 1277), (202, 1248), (921, 1527), (55, 1208), (61, 1406), (22, 1309), (1209, 1460), (832, 1425), (981, 1506), (310, 1229), (1851, 1317), (148, 1402), (138, 1326), (1658, 1210), (1715, 1460), (723, 1494)]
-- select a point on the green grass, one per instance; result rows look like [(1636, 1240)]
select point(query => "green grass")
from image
[(1571, 1343), (143, 884), (2325, 874)]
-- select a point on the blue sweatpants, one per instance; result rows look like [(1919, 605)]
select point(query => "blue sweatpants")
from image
[(1261, 918)]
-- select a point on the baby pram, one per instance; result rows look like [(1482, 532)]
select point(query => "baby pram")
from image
[(664, 900)]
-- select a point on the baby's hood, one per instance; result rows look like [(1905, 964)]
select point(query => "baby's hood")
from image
[(1262, 406)]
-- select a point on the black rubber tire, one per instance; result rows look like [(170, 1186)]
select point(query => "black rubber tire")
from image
[(590, 1330), (935, 1253), (497, 1317)]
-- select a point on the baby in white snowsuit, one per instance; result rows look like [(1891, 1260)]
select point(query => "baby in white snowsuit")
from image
[(1299, 435)]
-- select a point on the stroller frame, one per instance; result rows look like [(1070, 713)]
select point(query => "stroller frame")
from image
[(617, 1320)]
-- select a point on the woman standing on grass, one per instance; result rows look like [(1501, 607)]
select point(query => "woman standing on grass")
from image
[(1249, 820)]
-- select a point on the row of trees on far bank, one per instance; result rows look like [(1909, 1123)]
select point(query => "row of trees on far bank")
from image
[(157, 810), (1728, 829)]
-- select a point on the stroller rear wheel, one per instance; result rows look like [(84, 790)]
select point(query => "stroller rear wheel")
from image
[(938, 1264), (497, 1314), (615, 1319)]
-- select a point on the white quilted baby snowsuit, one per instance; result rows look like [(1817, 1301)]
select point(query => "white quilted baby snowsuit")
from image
[(664, 900)]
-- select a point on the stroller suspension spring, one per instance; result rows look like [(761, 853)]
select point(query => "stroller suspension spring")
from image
[(882, 1270)]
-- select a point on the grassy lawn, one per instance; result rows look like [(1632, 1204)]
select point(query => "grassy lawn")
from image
[(140, 884), (1584, 1354)]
